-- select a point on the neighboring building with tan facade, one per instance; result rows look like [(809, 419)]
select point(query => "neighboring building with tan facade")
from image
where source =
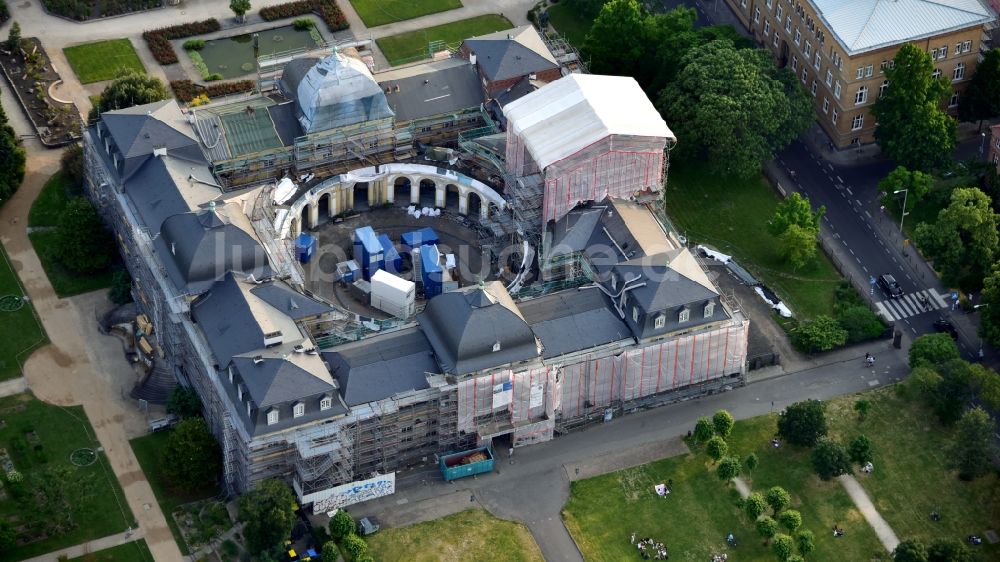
[(994, 148), (840, 49)]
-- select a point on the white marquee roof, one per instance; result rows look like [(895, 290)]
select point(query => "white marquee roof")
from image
[(866, 25), (578, 110)]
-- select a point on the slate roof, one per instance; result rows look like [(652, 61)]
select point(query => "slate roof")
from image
[(570, 320), (383, 366), (154, 192), (447, 90), (866, 25), (289, 302), (665, 288), (293, 73), (137, 130), (511, 53), (277, 381), (227, 322), (463, 326)]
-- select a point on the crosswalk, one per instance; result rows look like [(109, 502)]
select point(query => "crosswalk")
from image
[(909, 305)]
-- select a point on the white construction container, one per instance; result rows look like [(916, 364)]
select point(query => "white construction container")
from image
[(393, 294)]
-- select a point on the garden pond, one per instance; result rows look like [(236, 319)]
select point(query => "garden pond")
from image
[(234, 56)]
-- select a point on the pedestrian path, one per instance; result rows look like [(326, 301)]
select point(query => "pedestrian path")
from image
[(909, 305), (864, 504)]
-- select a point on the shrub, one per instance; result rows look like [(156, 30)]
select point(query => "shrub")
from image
[(326, 9), (194, 44), (860, 449), (186, 90), (860, 323), (829, 459), (158, 40), (199, 63), (355, 546), (803, 423), (302, 24), (214, 77), (822, 333)]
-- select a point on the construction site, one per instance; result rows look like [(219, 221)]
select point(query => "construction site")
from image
[(246, 225)]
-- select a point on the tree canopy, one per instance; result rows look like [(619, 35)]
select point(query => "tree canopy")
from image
[(821, 333), (949, 550), (191, 458), (932, 349), (989, 315), (963, 241), (723, 423), (829, 459), (734, 107), (716, 448), (755, 505), (11, 160), (912, 128), (729, 468), (860, 449), (783, 547), (917, 184), (84, 244), (981, 99), (703, 429), (615, 42), (803, 423), (795, 209), (267, 514), (184, 402), (341, 525), (778, 498), (910, 550), (129, 88), (970, 450), (240, 8)]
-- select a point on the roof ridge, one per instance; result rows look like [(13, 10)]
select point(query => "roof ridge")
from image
[(868, 21), (949, 6)]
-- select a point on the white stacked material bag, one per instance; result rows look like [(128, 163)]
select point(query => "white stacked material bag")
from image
[(393, 294)]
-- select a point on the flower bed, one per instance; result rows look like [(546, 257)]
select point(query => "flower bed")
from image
[(30, 73), (159, 39), (82, 10), (326, 9), (186, 90)]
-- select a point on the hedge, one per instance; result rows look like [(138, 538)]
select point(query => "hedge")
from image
[(158, 40), (325, 9), (83, 10), (186, 90)]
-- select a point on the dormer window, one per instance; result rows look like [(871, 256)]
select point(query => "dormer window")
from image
[(249, 413), (272, 417), (635, 314), (684, 315), (239, 391), (709, 309), (660, 322), (614, 282), (298, 410), (230, 374), (496, 347), (325, 403)]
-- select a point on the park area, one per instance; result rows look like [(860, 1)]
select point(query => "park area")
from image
[(380, 12), (94, 62), (414, 45), (135, 551), (470, 536), (909, 481), (20, 329), (58, 489), (570, 24)]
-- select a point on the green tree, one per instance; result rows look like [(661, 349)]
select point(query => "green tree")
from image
[(860, 449), (14, 37), (910, 550), (806, 542), (588, 9), (790, 519), (822, 333), (751, 463), (11, 159), (917, 184), (989, 315), (797, 246), (130, 88), (971, 448), (341, 525), (767, 527), (330, 552), (795, 209), (963, 241), (191, 458), (240, 8), (729, 468), (803, 423), (716, 448), (184, 402), (734, 107), (71, 165), (703, 430), (783, 547), (862, 407), (755, 505), (723, 423), (777, 498), (355, 546), (267, 514), (84, 244), (949, 550), (615, 42), (121, 287), (829, 459), (954, 392), (8, 536), (912, 128), (930, 350), (981, 99), (668, 37)]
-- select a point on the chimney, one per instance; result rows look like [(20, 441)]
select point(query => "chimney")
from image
[(160, 151), (258, 359)]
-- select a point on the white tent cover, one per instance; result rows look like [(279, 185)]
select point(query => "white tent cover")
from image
[(578, 110), (338, 91)]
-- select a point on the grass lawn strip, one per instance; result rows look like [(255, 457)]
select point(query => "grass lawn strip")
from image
[(135, 551), (40, 438), (65, 282), (731, 214), (380, 12), (51, 201), (569, 23), (21, 331), (412, 46), (94, 62), (146, 449), (470, 536)]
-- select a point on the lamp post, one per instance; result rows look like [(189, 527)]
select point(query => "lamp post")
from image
[(982, 143), (902, 218)]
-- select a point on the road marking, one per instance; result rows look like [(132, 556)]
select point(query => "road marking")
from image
[(839, 179), (850, 250), (851, 192), (859, 201), (934, 295), (869, 216), (830, 166), (885, 313), (864, 268), (909, 305)]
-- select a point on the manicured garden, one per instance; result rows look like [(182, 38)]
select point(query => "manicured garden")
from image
[(381, 12), (94, 62), (470, 536), (135, 551), (62, 491), (20, 329), (413, 46), (82, 11)]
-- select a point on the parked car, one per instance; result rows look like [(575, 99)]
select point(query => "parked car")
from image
[(368, 526), (944, 326), (889, 286)]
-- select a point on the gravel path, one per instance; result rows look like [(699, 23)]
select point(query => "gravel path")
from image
[(742, 487), (867, 508)]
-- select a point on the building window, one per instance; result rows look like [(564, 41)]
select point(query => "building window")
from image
[(298, 410), (860, 73), (756, 15), (966, 46), (768, 3), (934, 54), (272, 417), (936, 73), (798, 36), (795, 63), (861, 96), (778, 14), (858, 122), (808, 50), (883, 88), (767, 28), (953, 102), (943, 52), (684, 315), (743, 3), (826, 104), (834, 115), (958, 49), (635, 314), (805, 75), (818, 61), (709, 309), (775, 42), (959, 73), (814, 88), (869, 70), (788, 24), (829, 77), (836, 90), (996, 158), (325, 403), (887, 64), (660, 322)]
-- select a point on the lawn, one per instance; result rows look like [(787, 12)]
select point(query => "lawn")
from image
[(695, 518), (731, 215), (101, 60), (61, 504), (147, 451), (412, 46), (65, 282), (569, 23), (51, 201), (20, 330), (470, 536), (380, 12), (135, 551)]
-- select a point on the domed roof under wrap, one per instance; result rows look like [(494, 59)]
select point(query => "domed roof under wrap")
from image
[(339, 90)]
